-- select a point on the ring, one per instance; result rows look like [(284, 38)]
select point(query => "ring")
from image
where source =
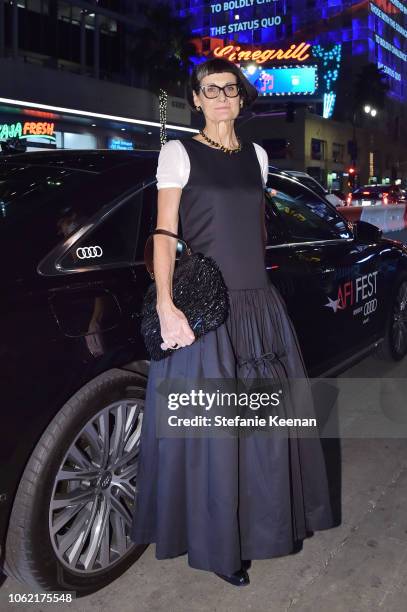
[(175, 345)]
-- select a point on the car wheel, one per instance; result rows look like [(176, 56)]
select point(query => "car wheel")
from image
[(70, 522), (394, 345)]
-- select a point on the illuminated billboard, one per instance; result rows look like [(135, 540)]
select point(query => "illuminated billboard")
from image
[(372, 30), (119, 143), (285, 80)]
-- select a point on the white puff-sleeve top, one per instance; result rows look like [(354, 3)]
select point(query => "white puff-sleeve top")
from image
[(174, 166)]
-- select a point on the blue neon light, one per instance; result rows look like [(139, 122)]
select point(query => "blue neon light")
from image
[(118, 143), (280, 81), (375, 31), (329, 103), (391, 22)]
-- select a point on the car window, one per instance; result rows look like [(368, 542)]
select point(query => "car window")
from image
[(24, 189), (274, 227), (305, 216), (308, 182), (118, 238)]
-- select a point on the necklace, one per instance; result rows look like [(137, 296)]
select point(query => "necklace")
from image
[(221, 147)]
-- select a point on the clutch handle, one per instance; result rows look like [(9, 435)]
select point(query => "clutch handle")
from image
[(149, 248)]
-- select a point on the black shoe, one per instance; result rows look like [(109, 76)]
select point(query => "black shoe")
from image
[(239, 578), (246, 564)]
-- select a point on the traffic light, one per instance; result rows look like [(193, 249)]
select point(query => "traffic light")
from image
[(352, 177)]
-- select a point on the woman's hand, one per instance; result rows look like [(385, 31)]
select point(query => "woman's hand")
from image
[(174, 326)]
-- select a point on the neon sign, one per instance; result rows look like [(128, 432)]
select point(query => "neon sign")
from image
[(386, 45), (242, 26), (118, 143), (26, 129), (231, 5), (331, 60), (377, 11), (297, 52), (284, 80)]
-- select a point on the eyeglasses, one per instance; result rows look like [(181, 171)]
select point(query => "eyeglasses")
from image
[(213, 91)]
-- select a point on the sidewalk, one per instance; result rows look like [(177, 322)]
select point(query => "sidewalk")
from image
[(359, 566)]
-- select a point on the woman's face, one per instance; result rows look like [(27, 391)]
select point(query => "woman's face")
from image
[(221, 108)]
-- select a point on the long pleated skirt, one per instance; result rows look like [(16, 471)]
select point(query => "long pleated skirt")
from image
[(223, 499)]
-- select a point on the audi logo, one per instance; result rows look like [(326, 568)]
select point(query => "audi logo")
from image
[(89, 252), (370, 307)]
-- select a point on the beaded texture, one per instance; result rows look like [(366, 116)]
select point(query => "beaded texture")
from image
[(221, 147), (199, 291)]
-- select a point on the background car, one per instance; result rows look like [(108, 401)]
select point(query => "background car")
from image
[(309, 181), (341, 195), (376, 195), (74, 367)]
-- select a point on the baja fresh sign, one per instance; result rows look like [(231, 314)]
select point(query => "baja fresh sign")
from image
[(25, 129)]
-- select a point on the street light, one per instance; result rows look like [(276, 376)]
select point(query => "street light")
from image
[(354, 147), (369, 110)]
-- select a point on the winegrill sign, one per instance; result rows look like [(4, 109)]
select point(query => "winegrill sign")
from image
[(298, 52)]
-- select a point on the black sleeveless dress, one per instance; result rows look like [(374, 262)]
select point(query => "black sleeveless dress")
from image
[(218, 499)]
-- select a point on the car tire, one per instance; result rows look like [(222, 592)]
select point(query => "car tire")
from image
[(394, 345), (95, 422)]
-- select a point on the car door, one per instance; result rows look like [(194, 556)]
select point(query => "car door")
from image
[(281, 262), (98, 294), (332, 275)]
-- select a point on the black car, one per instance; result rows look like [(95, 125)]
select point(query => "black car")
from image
[(376, 195), (74, 367)]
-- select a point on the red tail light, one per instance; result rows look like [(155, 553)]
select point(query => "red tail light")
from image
[(349, 199)]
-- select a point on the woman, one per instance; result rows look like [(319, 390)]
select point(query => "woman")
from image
[(223, 501)]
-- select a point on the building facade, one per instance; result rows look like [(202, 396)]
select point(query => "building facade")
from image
[(68, 80), (278, 43), (320, 147), (368, 31)]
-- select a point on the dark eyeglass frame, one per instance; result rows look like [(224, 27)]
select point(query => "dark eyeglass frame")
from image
[(238, 85)]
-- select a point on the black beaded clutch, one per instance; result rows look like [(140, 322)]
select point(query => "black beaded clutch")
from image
[(199, 291)]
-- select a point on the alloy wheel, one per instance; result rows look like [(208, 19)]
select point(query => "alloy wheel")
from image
[(91, 505)]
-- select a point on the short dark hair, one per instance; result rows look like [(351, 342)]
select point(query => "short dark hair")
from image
[(217, 64)]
